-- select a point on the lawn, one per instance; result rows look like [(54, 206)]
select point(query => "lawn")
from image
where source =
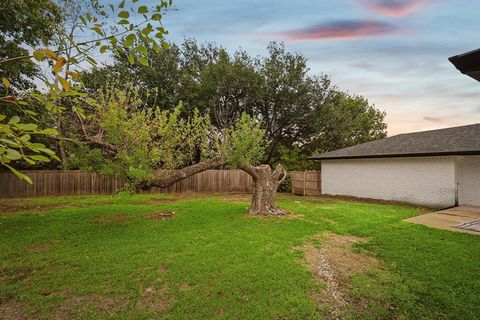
[(123, 257)]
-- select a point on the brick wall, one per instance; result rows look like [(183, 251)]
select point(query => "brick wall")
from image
[(468, 178), (427, 181)]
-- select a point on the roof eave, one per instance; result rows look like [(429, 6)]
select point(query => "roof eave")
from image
[(401, 155)]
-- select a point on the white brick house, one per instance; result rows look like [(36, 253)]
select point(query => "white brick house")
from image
[(437, 168)]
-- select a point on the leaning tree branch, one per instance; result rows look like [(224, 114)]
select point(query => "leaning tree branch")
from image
[(165, 178)]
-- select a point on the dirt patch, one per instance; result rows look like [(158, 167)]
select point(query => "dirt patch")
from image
[(236, 197), (73, 307), (161, 215), (12, 310), (155, 299), (15, 275), (13, 208), (107, 219), (23, 205), (334, 263), (43, 246), (185, 287)]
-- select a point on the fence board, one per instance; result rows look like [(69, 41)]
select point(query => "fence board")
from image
[(306, 183), (63, 183)]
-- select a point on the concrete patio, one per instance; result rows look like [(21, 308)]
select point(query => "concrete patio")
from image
[(453, 219)]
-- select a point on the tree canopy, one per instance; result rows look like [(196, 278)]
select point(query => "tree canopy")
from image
[(298, 112)]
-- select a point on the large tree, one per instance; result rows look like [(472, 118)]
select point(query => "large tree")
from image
[(294, 106), (157, 148)]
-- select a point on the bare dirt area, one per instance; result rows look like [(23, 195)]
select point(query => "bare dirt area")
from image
[(161, 215), (155, 299), (74, 306), (235, 197), (12, 310), (333, 263)]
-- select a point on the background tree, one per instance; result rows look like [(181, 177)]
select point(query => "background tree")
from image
[(25, 24), (296, 109), (346, 120)]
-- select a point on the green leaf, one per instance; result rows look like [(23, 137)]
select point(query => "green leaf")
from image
[(19, 174), (50, 131), (2, 116), (156, 16), (99, 31), (131, 58), (123, 21), (13, 154), (143, 9), (141, 49), (30, 112), (10, 142), (14, 120), (124, 14), (91, 61), (129, 40), (46, 150), (143, 61), (103, 49), (28, 160), (40, 158), (122, 4), (38, 55), (37, 145), (25, 137), (26, 126), (156, 47)]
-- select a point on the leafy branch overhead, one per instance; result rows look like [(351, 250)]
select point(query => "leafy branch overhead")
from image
[(65, 91)]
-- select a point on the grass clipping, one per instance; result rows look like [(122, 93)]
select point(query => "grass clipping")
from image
[(333, 263)]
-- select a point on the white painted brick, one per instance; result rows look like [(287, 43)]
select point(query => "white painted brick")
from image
[(468, 178), (428, 181)]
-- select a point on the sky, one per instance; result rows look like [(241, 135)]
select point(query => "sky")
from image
[(393, 52)]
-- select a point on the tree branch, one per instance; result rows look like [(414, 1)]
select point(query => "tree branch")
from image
[(77, 44), (165, 178)]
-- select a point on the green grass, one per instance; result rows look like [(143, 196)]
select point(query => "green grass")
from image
[(99, 257)]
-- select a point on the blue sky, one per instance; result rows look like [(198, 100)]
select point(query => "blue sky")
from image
[(394, 52)]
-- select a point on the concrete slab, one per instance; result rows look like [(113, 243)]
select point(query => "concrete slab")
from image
[(449, 218)]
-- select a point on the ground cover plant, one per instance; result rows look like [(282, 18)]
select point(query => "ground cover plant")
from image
[(202, 257)]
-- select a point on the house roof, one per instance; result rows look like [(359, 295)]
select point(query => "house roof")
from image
[(468, 63), (464, 140)]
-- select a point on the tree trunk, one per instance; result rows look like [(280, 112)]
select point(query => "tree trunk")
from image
[(265, 185), (165, 178)]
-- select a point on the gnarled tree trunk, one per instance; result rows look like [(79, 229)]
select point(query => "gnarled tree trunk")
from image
[(265, 185)]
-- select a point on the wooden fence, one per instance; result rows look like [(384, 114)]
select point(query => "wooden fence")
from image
[(306, 183), (62, 183)]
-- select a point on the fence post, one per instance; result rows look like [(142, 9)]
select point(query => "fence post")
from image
[(305, 182), (292, 179)]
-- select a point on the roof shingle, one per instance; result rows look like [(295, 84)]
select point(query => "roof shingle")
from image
[(464, 140)]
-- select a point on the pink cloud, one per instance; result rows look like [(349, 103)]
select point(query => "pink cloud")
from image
[(341, 30), (393, 8)]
